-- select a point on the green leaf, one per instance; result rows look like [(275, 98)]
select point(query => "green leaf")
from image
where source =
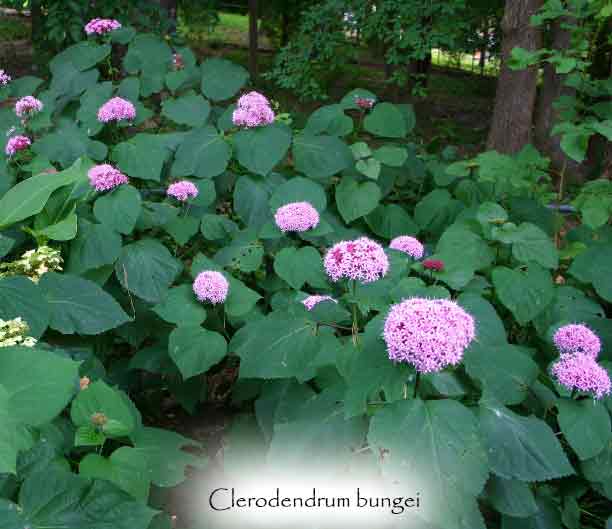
[(390, 221), (119, 209), (222, 79), (277, 346), (505, 372), (355, 200), (329, 119), (575, 145), (126, 467), (29, 196), (67, 143), (299, 189), (490, 329), (523, 448), (321, 156), (147, 269), (165, 455), (217, 227), (251, 201), (203, 154), (143, 156), (391, 155), (386, 120), (151, 56), (437, 444), (56, 498), (64, 230), (182, 229), (181, 307), (526, 293), (593, 266), (244, 253), (96, 245), (195, 350), (532, 244), (190, 109), (79, 306), (586, 426), (122, 416), (91, 101), (88, 435), (20, 297), (298, 266), (262, 148), (491, 213), (38, 383), (369, 168), (511, 497), (547, 517)]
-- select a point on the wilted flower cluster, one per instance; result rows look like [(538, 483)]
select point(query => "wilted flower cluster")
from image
[(365, 103), (34, 263), (84, 383), (4, 78), (312, 301), (211, 286), (16, 144), (581, 372), (182, 191), (408, 245), (27, 106), (577, 338), (296, 216), (362, 260), (116, 109), (104, 177), (253, 110), (14, 332), (177, 61), (430, 334), (101, 26), (433, 264)]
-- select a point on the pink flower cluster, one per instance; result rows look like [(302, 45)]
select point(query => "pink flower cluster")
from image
[(577, 338), (430, 334), (104, 177), (580, 371), (101, 26), (211, 286), (17, 143), (177, 61), (116, 109), (433, 264), (296, 216), (362, 260), (409, 245), (182, 191), (27, 106), (365, 103), (4, 78), (312, 301), (253, 110)]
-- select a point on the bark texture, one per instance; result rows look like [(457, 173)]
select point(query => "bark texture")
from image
[(511, 126)]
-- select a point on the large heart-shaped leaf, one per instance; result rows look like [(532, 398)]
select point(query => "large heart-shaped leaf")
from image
[(321, 156), (355, 200), (203, 154), (195, 350), (222, 79), (261, 149)]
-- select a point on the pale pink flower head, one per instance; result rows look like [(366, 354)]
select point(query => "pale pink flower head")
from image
[(4, 78), (182, 191), (211, 286), (28, 106), (296, 216), (253, 110), (408, 245), (365, 103), (104, 177), (362, 260), (577, 338), (16, 144), (430, 334), (116, 109), (580, 371), (312, 301), (101, 26)]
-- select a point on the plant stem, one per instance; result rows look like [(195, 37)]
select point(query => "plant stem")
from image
[(416, 384), (355, 328)]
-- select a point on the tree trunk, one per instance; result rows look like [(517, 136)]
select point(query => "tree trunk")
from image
[(284, 28), (169, 6), (482, 61), (253, 39), (516, 90), (553, 87)]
